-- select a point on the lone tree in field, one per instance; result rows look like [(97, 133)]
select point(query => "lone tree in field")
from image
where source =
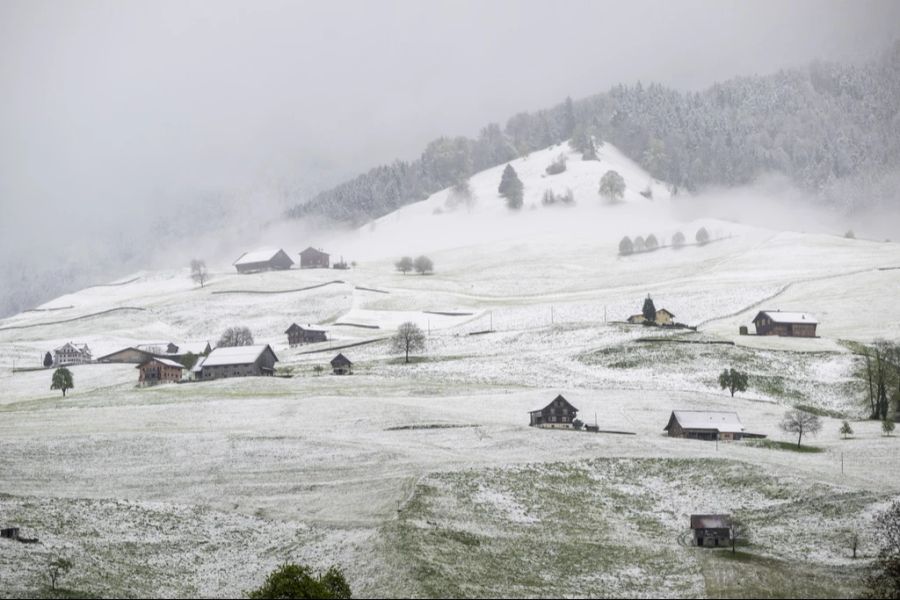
[(62, 380), (883, 580), (800, 422), (48, 360), (235, 336), (887, 427), (423, 265), (649, 310), (846, 430), (733, 381), (739, 532), (702, 236), (626, 246), (612, 186), (298, 581), (678, 240), (404, 265), (198, 272), (409, 338), (511, 188), (56, 569)]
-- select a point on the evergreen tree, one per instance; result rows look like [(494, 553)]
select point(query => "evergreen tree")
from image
[(62, 380), (48, 360), (887, 427), (649, 310), (511, 188)]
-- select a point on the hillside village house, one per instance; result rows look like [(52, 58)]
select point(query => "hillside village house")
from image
[(314, 259), (663, 317), (791, 324), (132, 354), (71, 354), (159, 370), (705, 425), (266, 259), (711, 530), (238, 361), (304, 335), (559, 413), (341, 365)]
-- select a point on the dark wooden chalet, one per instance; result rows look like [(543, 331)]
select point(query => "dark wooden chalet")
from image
[(239, 361), (559, 413), (341, 365), (707, 425), (263, 260), (791, 324), (128, 355), (304, 335), (159, 370), (711, 530), (314, 259)]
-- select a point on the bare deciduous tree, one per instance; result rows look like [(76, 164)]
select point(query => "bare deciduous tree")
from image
[(409, 338), (404, 265), (884, 578), (198, 272), (56, 569), (739, 532), (423, 265), (235, 336), (800, 422)]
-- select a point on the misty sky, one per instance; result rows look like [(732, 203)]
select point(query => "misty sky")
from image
[(112, 113)]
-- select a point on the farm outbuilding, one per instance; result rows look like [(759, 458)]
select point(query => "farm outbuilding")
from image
[(559, 413), (159, 370), (706, 425), (311, 258), (711, 530), (663, 317), (341, 365), (238, 361), (789, 324), (267, 259), (304, 335)]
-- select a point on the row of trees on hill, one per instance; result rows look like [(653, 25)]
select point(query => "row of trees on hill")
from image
[(612, 187), (833, 129), (421, 265), (650, 243)]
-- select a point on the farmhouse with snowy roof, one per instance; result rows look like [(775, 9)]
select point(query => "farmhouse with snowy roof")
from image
[(792, 324), (705, 425), (341, 365), (132, 354), (237, 361), (71, 354), (559, 413), (159, 370), (304, 335), (264, 259), (312, 258)]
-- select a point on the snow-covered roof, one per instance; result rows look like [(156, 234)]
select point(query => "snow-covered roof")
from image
[(710, 521), (71, 346), (198, 365), (237, 355), (258, 256), (164, 361), (311, 250), (778, 316), (727, 422)]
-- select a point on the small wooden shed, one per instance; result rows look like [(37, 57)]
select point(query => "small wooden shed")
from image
[(558, 414), (304, 335), (711, 530), (311, 258), (341, 365)]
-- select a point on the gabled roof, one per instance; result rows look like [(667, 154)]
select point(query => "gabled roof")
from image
[(714, 420), (192, 347), (340, 359), (198, 366), (311, 250), (710, 521), (163, 361), (237, 355), (111, 354), (559, 397), (301, 328), (663, 310), (70, 346), (778, 316), (262, 255)]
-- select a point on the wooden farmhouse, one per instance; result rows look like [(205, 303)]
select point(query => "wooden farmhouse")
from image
[(263, 260), (304, 335), (711, 530), (791, 324), (238, 361), (314, 259), (132, 354), (159, 370), (705, 425), (663, 317), (71, 354), (557, 414), (341, 365)]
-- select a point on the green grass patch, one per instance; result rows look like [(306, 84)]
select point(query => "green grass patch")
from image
[(779, 445)]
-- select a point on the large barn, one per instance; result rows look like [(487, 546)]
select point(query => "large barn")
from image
[(559, 413), (132, 354), (159, 370), (312, 258), (238, 361), (791, 324), (705, 425), (267, 259)]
